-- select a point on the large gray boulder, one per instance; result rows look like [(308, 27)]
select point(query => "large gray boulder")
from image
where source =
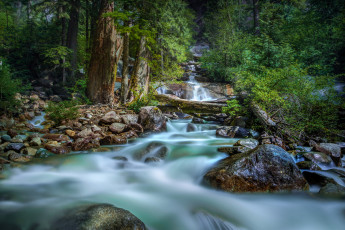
[(152, 119), (233, 132), (98, 217), (268, 168)]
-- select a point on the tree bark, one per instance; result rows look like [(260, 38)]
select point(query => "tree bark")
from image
[(103, 57), (256, 17), (72, 34), (125, 69), (63, 41)]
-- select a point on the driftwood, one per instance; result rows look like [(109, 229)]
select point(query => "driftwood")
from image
[(190, 106), (263, 117)]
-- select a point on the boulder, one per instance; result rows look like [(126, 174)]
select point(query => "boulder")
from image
[(57, 148), (266, 168), (15, 147), (98, 217), (332, 190), (334, 151), (233, 132), (136, 127), (317, 178), (239, 121), (56, 137), (318, 157), (30, 151), (85, 133), (191, 127), (83, 144), (117, 128), (6, 138), (113, 140), (154, 149), (110, 117), (152, 160), (36, 141), (249, 143), (309, 165), (18, 157), (70, 133), (12, 133), (130, 118), (197, 120), (129, 134), (152, 119)]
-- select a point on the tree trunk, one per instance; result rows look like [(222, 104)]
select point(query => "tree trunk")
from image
[(87, 15), (101, 82), (72, 34), (140, 75), (125, 70), (256, 17), (63, 41)]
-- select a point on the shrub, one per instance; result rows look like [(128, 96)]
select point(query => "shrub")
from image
[(65, 110), (8, 89)]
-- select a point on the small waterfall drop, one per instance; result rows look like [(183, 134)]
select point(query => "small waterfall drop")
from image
[(199, 93)]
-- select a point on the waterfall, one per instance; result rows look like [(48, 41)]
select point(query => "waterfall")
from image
[(199, 93)]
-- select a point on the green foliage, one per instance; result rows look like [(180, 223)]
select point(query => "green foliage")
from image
[(56, 55), (9, 87), (79, 90), (141, 100), (287, 66), (233, 108), (65, 110)]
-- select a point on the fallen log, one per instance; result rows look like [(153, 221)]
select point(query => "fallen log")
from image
[(190, 106)]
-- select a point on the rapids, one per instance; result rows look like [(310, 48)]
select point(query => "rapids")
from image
[(165, 195)]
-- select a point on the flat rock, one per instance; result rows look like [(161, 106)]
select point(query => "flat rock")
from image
[(117, 128), (56, 137), (318, 157), (110, 117), (15, 147)]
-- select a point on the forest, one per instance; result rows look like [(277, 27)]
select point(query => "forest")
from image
[(187, 104)]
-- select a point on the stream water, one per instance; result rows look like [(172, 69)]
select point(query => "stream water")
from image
[(165, 195)]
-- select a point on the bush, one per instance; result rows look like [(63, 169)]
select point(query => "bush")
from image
[(8, 89), (233, 108), (65, 110), (142, 100)]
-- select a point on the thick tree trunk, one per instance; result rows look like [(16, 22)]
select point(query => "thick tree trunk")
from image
[(256, 17), (63, 41), (87, 15), (125, 70), (72, 34), (103, 57)]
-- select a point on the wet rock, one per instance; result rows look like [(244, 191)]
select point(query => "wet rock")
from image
[(16, 140), (56, 137), (233, 132), (120, 158), (249, 143), (117, 128), (18, 157), (83, 144), (154, 149), (85, 133), (317, 178), (110, 117), (22, 138), (266, 168), (43, 153), (70, 133), (30, 151), (12, 133), (136, 127), (57, 148), (197, 120), (332, 190), (152, 119), (334, 151), (191, 127), (96, 129), (98, 217), (113, 140), (129, 134), (309, 165), (239, 121), (130, 118), (152, 160), (317, 157), (15, 147), (274, 140), (36, 141), (6, 138)]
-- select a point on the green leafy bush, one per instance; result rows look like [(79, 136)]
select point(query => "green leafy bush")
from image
[(233, 108), (8, 89), (141, 100), (65, 110)]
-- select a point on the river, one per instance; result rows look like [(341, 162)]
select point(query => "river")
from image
[(165, 195)]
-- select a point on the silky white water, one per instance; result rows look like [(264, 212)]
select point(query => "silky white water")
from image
[(199, 93), (165, 195)]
